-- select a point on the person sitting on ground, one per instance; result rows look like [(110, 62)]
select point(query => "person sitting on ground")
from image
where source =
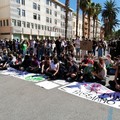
[(34, 66), (72, 72), (12, 59), (109, 65), (45, 63), (99, 74), (26, 63), (53, 70), (115, 84), (86, 61), (109, 62), (4, 59), (18, 61)]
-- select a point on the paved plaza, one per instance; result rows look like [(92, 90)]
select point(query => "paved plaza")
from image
[(23, 100)]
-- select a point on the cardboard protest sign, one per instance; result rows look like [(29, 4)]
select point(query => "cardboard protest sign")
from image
[(86, 45)]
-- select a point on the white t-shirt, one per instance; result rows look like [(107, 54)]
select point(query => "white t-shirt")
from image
[(103, 73), (53, 46), (53, 66)]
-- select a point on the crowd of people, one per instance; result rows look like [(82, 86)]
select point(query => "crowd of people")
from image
[(58, 59)]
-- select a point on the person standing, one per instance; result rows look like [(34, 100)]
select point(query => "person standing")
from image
[(94, 46), (77, 46), (24, 46), (58, 46), (100, 48)]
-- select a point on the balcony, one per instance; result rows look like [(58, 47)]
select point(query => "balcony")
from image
[(13, 3), (14, 13)]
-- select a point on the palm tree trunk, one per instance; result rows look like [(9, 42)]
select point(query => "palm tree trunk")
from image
[(77, 18), (66, 17), (93, 27), (96, 28), (83, 20), (88, 26)]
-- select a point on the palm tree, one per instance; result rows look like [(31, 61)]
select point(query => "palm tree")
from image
[(109, 16), (83, 7), (90, 11), (77, 18), (97, 11), (67, 2)]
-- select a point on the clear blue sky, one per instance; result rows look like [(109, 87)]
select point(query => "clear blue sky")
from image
[(73, 5)]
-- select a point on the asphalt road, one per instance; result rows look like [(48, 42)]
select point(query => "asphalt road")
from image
[(23, 100)]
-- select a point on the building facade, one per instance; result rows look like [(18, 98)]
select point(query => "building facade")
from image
[(74, 26), (33, 19), (97, 28)]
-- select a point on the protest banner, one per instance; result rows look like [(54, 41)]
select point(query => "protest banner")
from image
[(47, 85), (94, 92), (23, 75)]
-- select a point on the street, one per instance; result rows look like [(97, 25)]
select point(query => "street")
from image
[(23, 100)]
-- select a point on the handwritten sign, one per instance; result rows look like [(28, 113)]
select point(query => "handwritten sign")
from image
[(86, 45)]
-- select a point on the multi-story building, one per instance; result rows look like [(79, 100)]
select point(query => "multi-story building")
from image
[(33, 19), (97, 28), (74, 26)]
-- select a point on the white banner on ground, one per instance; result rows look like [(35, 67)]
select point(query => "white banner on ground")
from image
[(47, 85), (94, 92), (61, 82), (23, 75)]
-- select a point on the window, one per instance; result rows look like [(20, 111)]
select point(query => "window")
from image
[(23, 2), (47, 10), (7, 22), (50, 28), (23, 13), (38, 17), (23, 24), (18, 1), (32, 25), (50, 12), (34, 16), (55, 21), (73, 24), (18, 10), (38, 26), (1, 23), (39, 7), (50, 3), (34, 6), (47, 19), (45, 27), (55, 13), (13, 22), (19, 23), (35, 26), (50, 20), (42, 27), (55, 5), (28, 24), (79, 26), (47, 2)]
